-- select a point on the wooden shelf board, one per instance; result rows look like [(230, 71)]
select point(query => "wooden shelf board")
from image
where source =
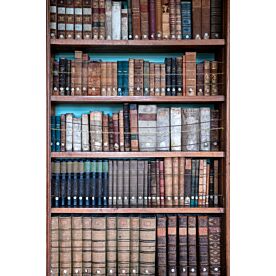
[(200, 154), (151, 99), (137, 210)]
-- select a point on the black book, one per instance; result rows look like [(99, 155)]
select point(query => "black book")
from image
[(94, 180), (63, 184), (56, 183), (57, 133), (193, 188), (196, 181), (168, 64), (81, 183), (62, 76), (216, 18), (68, 78), (188, 182), (105, 182), (173, 77), (126, 126), (69, 183), (53, 133), (87, 183), (179, 76), (75, 183), (99, 183)]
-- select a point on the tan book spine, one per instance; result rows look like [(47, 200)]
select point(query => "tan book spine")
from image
[(175, 184), (78, 74), (97, 79), (168, 181), (200, 184), (157, 80), (121, 131), (206, 68), (114, 79), (152, 88), (134, 245), (105, 133), (214, 78), (96, 130), (163, 79), (54, 246), (85, 133), (101, 19), (77, 245), (85, 59), (190, 73), (131, 77), (158, 16), (103, 78), (111, 245), (86, 245), (181, 181), (178, 19), (90, 78), (172, 20), (73, 77), (109, 78), (165, 19)]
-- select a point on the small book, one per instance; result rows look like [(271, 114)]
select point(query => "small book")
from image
[(168, 181), (203, 245), (163, 129), (192, 246), (87, 19), (53, 19), (69, 19), (78, 19), (196, 19), (172, 245), (183, 245), (77, 245), (162, 244), (54, 266), (111, 245), (86, 245), (116, 20), (175, 128), (134, 245)]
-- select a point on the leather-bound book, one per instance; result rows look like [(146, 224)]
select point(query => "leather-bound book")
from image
[(152, 182), (99, 183), (53, 133), (216, 18), (190, 73), (78, 19), (87, 182), (77, 245), (162, 245), (69, 183), (146, 76), (157, 79), (172, 10), (138, 77), (205, 19), (127, 180), (175, 177), (186, 19), (69, 131), (68, 78), (147, 127), (133, 120), (187, 182), (69, 19), (105, 132), (163, 79), (151, 79), (53, 18), (65, 240), (179, 76), (105, 182), (129, 13), (162, 183), (168, 181), (123, 244), (111, 245), (121, 130), (111, 133), (120, 184), (96, 131), (216, 183), (203, 245), (183, 245), (98, 245), (147, 245), (194, 194), (214, 78), (181, 181), (109, 78), (76, 134), (116, 20), (124, 23), (95, 19), (140, 180), (61, 13), (120, 77), (201, 201), (90, 78), (190, 129), (78, 73), (81, 184), (103, 79), (63, 183), (125, 128), (178, 31), (97, 79), (168, 63), (173, 77), (87, 19), (208, 165), (110, 183), (102, 19), (73, 78), (211, 184), (55, 76), (108, 19), (192, 246), (84, 133), (134, 245), (57, 133), (62, 77), (158, 19), (54, 246), (152, 19), (157, 165), (146, 183), (62, 132), (205, 126), (75, 183), (206, 71), (199, 79), (131, 77), (196, 19), (133, 185), (214, 233), (184, 75), (175, 129), (136, 19), (125, 78), (165, 20), (163, 129), (214, 135), (115, 118), (172, 245), (115, 182), (86, 245)]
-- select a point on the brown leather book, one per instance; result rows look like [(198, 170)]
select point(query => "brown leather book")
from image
[(90, 78), (131, 77), (115, 118), (206, 77), (183, 245), (53, 18), (168, 181), (95, 19), (114, 79), (127, 180), (216, 183), (62, 132), (214, 132), (178, 32), (134, 245), (133, 116), (96, 131), (214, 78), (162, 245), (65, 239), (77, 245), (101, 19), (69, 19), (111, 245), (110, 183), (165, 20), (152, 20), (98, 245), (87, 19), (111, 133), (175, 176), (151, 78), (97, 79), (172, 10), (157, 79), (108, 78), (158, 16), (78, 73), (126, 127), (205, 19), (196, 4), (86, 245), (144, 9), (192, 246), (138, 77), (201, 201), (136, 19), (140, 180), (108, 19), (85, 61), (163, 79), (181, 182), (55, 77), (121, 131), (172, 245), (190, 73), (133, 192), (153, 184), (162, 183), (61, 11), (199, 79), (105, 132), (54, 246), (157, 165), (203, 245), (103, 78), (123, 243), (184, 75), (120, 183), (147, 245), (78, 19)]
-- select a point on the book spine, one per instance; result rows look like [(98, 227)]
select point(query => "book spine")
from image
[(127, 177), (108, 19), (162, 245), (77, 245), (186, 19), (95, 19), (78, 73), (178, 31), (165, 20), (68, 78), (175, 176), (152, 19), (146, 77), (121, 130), (214, 135), (114, 79), (134, 245), (205, 19), (116, 20), (168, 181), (105, 132), (199, 79), (84, 133), (172, 245), (144, 10), (184, 75), (99, 183), (120, 78), (124, 24), (140, 180), (216, 18), (216, 183), (115, 118), (203, 245), (190, 73), (103, 79), (130, 35), (86, 245), (175, 129), (138, 77), (85, 60), (136, 19), (55, 185), (94, 183), (172, 20), (206, 71), (115, 182), (96, 131), (57, 134), (87, 183), (133, 127), (78, 19), (162, 183), (193, 184), (55, 77), (173, 77), (53, 133), (158, 16), (179, 76), (53, 18), (196, 19), (126, 126), (157, 80), (181, 183), (111, 245), (69, 131), (131, 77), (62, 78), (69, 183), (157, 182), (205, 126), (133, 192), (81, 184), (110, 183), (201, 195), (120, 184), (153, 187), (69, 19), (151, 79), (105, 183), (111, 133), (73, 77), (163, 129), (75, 183), (125, 78), (183, 245), (62, 132), (163, 79), (146, 183), (87, 19), (61, 11), (214, 78), (102, 31), (168, 64), (54, 246), (192, 244), (188, 182), (76, 134)]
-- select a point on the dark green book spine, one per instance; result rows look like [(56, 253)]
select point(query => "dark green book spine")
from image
[(58, 134), (193, 191), (53, 133), (168, 64), (62, 76), (187, 183), (63, 184), (87, 183), (75, 183), (68, 78), (105, 182), (81, 183), (173, 77), (130, 35), (125, 78), (120, 77), (196, 182), (69, 183), (179, 76), (94, 179), (99, 188), (56, 184)]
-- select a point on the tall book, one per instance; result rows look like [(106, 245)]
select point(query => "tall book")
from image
[(136, 19), (147, 245), (120, 184), (190, 73), (69, 131), (144, 10), (168, 181), (158, 16), (133, 183), (183, 245), (84, 133), (122, 131), (172, 245), (105, 182), (115, 181), (200, 79), (196, 19), (124, 24), (116, 20), (187, 182), (63, 184), (61, 11), (192, 246), (110, 183), (214, 132), (165, 19), (69, 183), (175, 128), (162, 244), (146, 183), (87, 19), (53, 133), (127, 180), (77, 245), (77, 134), (205, 19), (105, 132), (162, 183), (102, 19), (186, 19), (134, 245), (140, 181), (163, 129), (216, 18), (176, 179), (78, 19), (147, 127), (53, 18), (87, 182), (205, 126), (86, 245), (108, 19), (75, 183), (81, 184), (172, 19), (69, 19), (78, 73), (115, 117), (179, 76), (95, 19), (111, 245), (131, 76), (203, 245), (133, 118), (181, 181), (130, 36), (62, 132), (54, 246), (96, 131), (153, 183), (178, 30), (126, 126), (57, 133), (62, 76), (152, 19)]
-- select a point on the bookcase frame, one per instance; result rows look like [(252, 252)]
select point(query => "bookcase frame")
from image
[(222, 45)]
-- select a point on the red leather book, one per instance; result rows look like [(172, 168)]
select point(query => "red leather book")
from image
[(95, 19), (69, 19)]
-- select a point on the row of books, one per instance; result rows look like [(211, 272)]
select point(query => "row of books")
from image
[(135, 19), (168, 182), (138, 128), (176, 76), (136, 245)]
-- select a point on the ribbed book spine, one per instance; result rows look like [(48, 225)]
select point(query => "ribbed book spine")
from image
[(105, 132), (122, 130), (111, 245), (110, 183), (172, 245), (203, 245), (186, 19), (87, 183), (87, 19), (216, 18), (196, 19), (188, 182), (165, 20), (61, 11), (168, 181), (134, 245), (168, 63), (192, 244), (214, 135), (124, 24), (69, 19), (181, 181), (172, 21), (136, 19), (102, 34), (53, 18), (152, 19), (53, 133), (205, 19), (178, 31), (199, 79), (120, 184), (86, 245), (131, 77), (108, 19), (63, 184), (140, 181), (214, 78), (162, 183), (54, 246), (77, 245), (78, 19), (96, 130), (183, 245), (190, 73), (162, 245), (206, 71), (95, 19)]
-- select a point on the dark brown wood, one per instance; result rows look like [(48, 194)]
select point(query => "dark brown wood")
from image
[(137, 210), (150, 99), (199, 154)]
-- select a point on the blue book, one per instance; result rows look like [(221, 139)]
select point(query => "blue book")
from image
[(99, 187), (186, 19), (105, 182), (81, 183), (93, 182), (63, 184), (53, 133), (125, 78), (75, 183), (69, 183), (56, 183), (120, 77), (87, 182), (57, 133)]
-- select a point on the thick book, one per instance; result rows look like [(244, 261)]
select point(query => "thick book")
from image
[(133, 118), (69, 131), (127, 177), (147, 251), (152, 19), (163, 129), (95, 19), (172, 245), (96, 131), (87, 19), (205, 19), (144, 11), (165, 20), (168, 181), (77, 134), (162, 244), (186, 19), (61, 12), (133, 190), (136, 19), (192, 246), (134, 245), (203, 245), (175, 128), (116, 20), (77, 245), (147, 127), (69, 19), (196, 19), (111, 245), (86, 245), (205, 126), (183, 245), (78, 19), (190, 73), (53, 18), (57, 133), (216, 18), (54, 266), (108, 19)]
